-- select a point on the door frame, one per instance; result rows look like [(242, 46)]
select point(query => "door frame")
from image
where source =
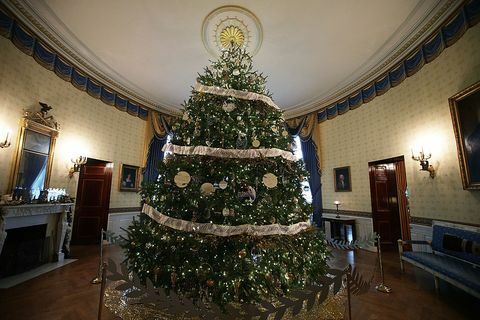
[(108, 172), (401, 182)]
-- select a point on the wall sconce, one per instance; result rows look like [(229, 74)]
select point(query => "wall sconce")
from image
[(423, 159), (77, 162), (7, 141), (337, 203)]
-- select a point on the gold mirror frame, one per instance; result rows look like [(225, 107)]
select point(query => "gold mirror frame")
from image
[(28, 124)]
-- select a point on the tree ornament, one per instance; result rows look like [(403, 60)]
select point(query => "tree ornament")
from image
[(182, 179), (223, 184), (173, 278), (185, 116), (210, 282), (275, 129), (241, 140), (242, 253), (229, 107), (255, 143), (188, 141), (285, 133), (226, 212), (207, 189), (236, 72), (247, 193), (270, 180)]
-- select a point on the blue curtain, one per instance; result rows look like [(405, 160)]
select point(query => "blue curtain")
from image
[(309, 153), (160, 130), (155, 155)]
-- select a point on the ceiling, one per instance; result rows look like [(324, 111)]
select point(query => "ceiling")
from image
[(313, 52)]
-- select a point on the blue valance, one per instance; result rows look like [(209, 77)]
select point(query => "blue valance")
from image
[(44, 57), (368, 93), (63, 70), (93, 89), (50, 60), (433, 47), (452, 30), (107, 97)]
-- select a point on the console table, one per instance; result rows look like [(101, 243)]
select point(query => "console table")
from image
[(339, 228), (58, 216)]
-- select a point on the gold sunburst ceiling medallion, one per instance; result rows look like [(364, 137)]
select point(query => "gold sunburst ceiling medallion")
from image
[(229, 25), (231, 35)]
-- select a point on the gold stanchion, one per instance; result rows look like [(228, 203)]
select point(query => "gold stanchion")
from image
[(98, 277), (381, 287), (102, 290), (349, 269)]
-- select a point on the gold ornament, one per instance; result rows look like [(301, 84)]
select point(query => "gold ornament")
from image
[(256, 143), (182, 179), (207, 189), (242, 253), (270, 180), (285, 133), (210, 282)]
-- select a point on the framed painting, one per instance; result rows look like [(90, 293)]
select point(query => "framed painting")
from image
[(465, 111), (341, 179), (129, 177)]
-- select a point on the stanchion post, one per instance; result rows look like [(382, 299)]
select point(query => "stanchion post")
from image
[(102, 290), (349, 269), (381, 287), (98, 277)]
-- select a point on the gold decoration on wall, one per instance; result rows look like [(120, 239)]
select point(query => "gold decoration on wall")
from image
[(232, 35)]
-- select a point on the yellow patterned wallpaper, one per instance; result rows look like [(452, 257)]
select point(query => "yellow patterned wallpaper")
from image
[(417, 110), (86, 123)]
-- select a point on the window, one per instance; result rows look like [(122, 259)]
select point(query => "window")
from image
[(297, 150)]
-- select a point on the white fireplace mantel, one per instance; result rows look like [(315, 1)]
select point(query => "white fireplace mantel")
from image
[(12, 217)]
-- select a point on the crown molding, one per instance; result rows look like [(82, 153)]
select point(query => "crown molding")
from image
[(413, 35), (36, 17)]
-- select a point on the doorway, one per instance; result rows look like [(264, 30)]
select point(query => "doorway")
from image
[(93, 201), (388, 186)]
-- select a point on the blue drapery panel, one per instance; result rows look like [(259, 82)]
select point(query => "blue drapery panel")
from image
[(309, 152), (452, 30), (155, 154), (303, 128), (28, 43), (158, 131)]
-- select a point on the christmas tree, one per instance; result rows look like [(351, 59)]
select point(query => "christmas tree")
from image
[(226, 220)]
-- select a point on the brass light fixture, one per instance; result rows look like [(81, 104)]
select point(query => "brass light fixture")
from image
[(77, 163), (422, 157), (7, 142), (337, 203)]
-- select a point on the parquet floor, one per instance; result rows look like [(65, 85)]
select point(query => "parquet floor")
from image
[(66, 293)]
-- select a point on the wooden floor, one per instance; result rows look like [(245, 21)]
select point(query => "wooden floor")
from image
[(66, 293)]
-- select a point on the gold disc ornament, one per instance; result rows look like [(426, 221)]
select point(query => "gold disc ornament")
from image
[(207, 189), (255, 143), (270, 180), (182, 179)]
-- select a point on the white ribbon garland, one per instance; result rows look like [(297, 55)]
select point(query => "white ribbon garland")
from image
[(245, 95), (221, 230), (228, 153)]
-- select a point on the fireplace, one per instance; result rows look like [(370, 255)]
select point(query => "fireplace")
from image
[(24, 249)]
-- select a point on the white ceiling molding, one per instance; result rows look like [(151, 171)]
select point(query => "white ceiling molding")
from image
[(314, 53)]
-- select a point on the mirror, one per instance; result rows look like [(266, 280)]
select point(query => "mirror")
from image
[(34, 156)]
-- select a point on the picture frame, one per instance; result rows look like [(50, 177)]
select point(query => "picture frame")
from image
[(129, 179), (465, 112), (342, 180)]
